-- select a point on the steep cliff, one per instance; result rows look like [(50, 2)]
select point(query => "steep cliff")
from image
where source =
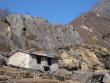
[(23, 32)]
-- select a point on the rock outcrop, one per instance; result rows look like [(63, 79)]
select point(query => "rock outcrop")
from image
[(23, 32), (85, 58), (3, 61)]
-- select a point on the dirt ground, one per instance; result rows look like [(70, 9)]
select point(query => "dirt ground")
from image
[(35, 80), (10, 75)]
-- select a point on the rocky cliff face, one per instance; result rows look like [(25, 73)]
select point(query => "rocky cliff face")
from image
[(31, 33), (23, 32)]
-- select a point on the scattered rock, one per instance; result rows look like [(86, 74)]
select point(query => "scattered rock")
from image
[(3, 60)]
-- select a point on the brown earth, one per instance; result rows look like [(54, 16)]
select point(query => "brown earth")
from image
[(93, 29), (35, 80), (14, 75)]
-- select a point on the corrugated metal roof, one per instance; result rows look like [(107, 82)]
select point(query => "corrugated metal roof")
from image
[(41, 53)]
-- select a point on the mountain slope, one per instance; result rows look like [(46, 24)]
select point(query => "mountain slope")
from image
[(94, 26), (102, 8), (93, 29), (81, 46)]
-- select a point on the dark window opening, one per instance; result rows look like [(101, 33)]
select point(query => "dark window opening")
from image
[(49, 61), (24, 29), (38, 60), (46, 68)]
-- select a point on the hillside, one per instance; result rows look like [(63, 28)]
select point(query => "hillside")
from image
[(93, 29), (102, 8), (81, 48)]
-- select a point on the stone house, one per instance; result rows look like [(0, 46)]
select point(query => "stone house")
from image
[(34, 60)]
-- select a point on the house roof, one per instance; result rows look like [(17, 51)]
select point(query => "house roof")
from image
[(39, 53), (44, 54)]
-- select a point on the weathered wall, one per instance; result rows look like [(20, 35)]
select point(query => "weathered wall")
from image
[(54, 65), (33, 63), (44, 62), (19, 59)]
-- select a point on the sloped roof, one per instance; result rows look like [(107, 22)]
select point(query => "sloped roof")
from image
[(41, 53), (38, 53)]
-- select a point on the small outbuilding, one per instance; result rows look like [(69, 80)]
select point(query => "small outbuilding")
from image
[(35, 60)]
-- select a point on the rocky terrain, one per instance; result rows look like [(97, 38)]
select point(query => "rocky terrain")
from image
[(102, 8), (82, 47), (93, 29)]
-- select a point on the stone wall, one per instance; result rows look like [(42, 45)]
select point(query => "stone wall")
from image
[(44, 62), (34, 65), (55, 65)]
